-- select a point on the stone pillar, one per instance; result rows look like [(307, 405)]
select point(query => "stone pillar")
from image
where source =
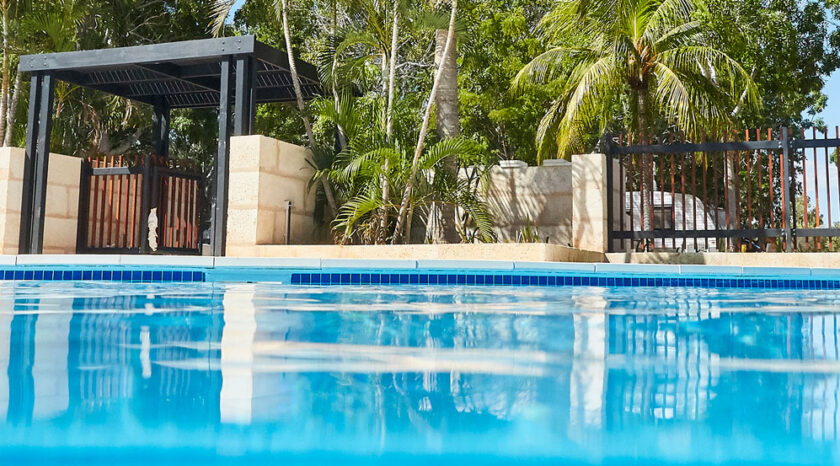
[(62, 209), (265, 174), (589, 201)]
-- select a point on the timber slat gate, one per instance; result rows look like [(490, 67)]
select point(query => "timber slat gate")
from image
[(111, 205), (757, 190)]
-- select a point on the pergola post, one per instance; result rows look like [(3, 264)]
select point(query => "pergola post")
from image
[(218, 224), (42, 162), (29, 164), (160, 135), (160, 122), (245, 106)]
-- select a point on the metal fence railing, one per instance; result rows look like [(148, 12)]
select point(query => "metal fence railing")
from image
[(764, 190)]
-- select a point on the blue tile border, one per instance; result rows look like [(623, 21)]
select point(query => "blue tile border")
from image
[(103, 275), (490, 279), (315, 272)]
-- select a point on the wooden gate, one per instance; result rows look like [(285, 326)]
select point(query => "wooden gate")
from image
[(111, 216)]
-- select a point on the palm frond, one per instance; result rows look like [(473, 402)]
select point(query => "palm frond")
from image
[(219, 12), (549, 65)]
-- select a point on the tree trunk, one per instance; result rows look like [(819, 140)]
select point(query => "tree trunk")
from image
[(424, 129), (299, 96), (12, 112), (389, 121), (342, 139), (4, 88), (441, 228), (647, 163)]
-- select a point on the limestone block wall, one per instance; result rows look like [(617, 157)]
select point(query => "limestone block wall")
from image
[(264, 174), (589, 201), (541, 195), (62, 209)]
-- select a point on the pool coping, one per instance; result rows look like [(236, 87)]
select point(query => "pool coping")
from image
[(210, 263)]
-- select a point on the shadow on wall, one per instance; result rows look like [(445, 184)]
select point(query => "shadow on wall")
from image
[(539, 197)]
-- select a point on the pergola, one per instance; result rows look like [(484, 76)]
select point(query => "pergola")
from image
[(234, 74)]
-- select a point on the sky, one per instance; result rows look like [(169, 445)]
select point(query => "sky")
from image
[(237, 5), (831, 116)]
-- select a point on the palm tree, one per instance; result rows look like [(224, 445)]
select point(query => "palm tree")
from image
[(442, 226), (221, 10), (424, 128), (649, 58), (369, 156)]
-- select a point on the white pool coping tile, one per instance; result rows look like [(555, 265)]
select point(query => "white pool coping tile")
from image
[(182, 261), (825, 272), (798, 271), (401, 264), (638, 268), (441, 264), (559, 267), (268, 262), (68, 259), (701, 269), (8, 259)]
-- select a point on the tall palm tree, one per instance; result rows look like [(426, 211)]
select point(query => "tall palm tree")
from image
[(424, 128), (441, 224), (220, 11), (649, 58)]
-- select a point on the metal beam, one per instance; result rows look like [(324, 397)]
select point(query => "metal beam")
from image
[(811, 143), (29, 164), (245, 97), (42, 163), (658, 234), (191, 50), (688, 148), (610, 190), (218, 223), (160, 123), (822, 232), (252, 98)]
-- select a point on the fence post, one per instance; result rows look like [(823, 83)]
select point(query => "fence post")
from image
[(83, 216), (146, 204), (608, 151), (786, 184)]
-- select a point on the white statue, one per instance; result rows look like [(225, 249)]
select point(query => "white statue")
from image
[(153, 224)]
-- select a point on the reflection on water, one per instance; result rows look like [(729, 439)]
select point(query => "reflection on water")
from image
[(591, 374)]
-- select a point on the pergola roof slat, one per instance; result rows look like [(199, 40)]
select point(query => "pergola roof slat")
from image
[(183, 74)]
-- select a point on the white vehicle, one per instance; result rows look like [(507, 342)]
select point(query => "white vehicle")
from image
[(696, 218)]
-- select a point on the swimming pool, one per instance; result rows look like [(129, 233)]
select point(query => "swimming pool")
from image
[(220, 372)]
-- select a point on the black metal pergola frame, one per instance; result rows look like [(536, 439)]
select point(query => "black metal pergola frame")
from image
[(233, 74)]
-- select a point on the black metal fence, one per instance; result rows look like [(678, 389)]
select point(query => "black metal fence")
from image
[(760, 191)]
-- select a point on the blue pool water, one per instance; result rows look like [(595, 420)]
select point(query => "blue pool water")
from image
[(214, 373)]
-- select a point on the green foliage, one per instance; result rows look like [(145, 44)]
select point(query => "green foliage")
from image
[(640, 61), (529, 233), (358, 170), (788, 46), (579, 67), (498, 42)]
